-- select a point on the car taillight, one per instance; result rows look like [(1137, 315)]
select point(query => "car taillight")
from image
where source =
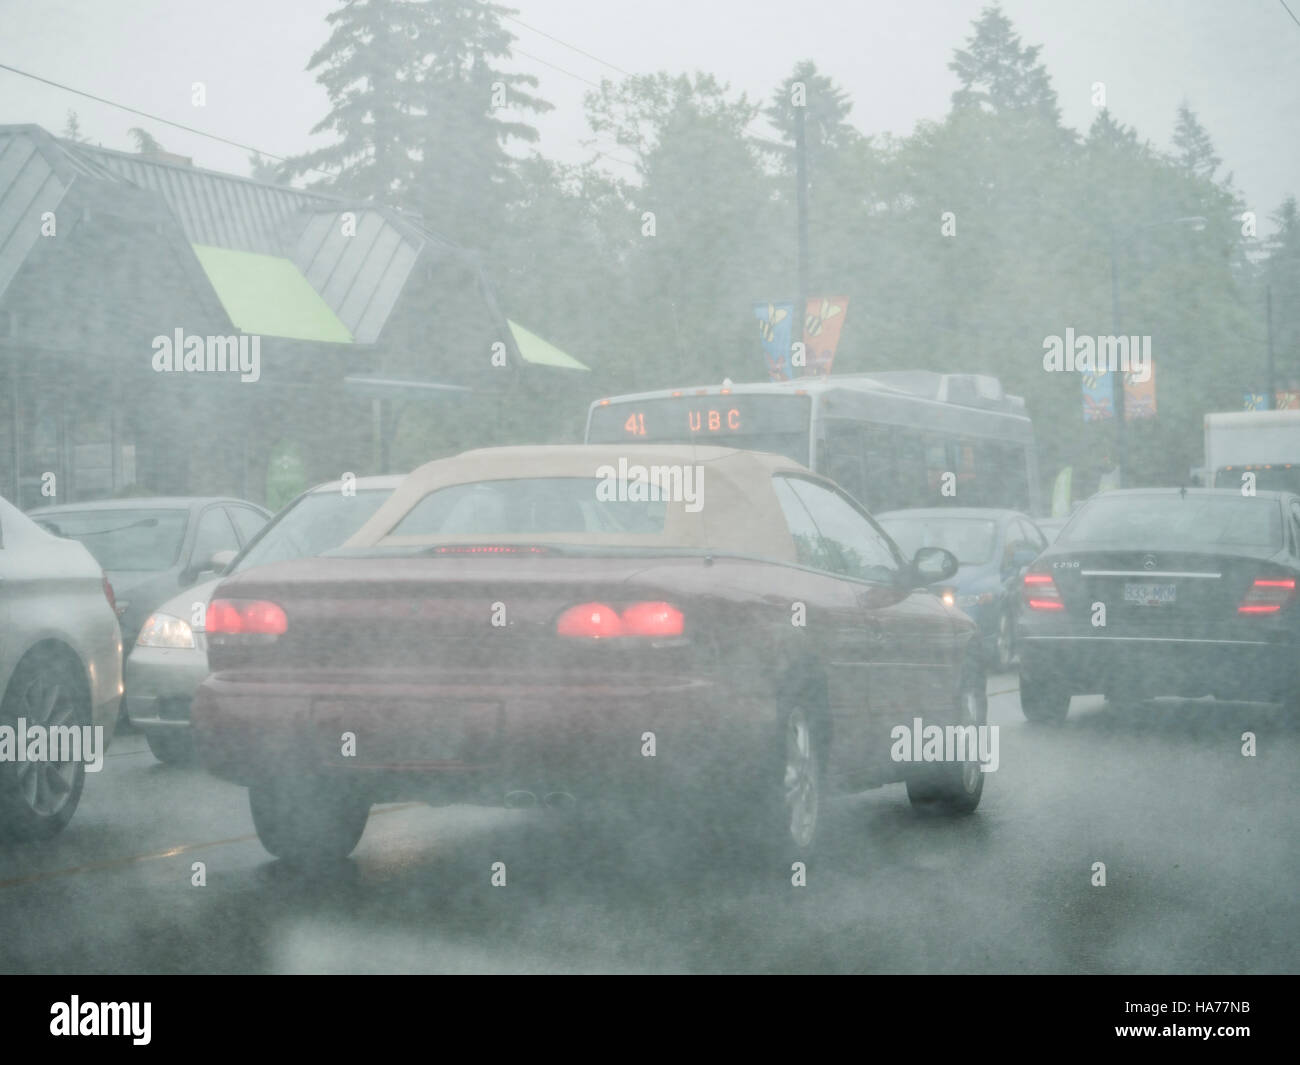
[(597, 621), (108, 594), (1041, 593), (1268, 595), (245, 617)]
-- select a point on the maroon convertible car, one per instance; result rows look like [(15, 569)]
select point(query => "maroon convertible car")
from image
[(666, 624)]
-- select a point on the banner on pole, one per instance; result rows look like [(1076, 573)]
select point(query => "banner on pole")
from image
[(822, 324), (775, 325)]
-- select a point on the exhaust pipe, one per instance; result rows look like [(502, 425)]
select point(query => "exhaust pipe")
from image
[(559, 800), (520, 800)]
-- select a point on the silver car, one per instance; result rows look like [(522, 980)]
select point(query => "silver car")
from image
[(170, 656), (60, 674)]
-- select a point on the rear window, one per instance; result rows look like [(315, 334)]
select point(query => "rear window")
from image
[(315, 524), (531, 506), (1173, 520), (133, 540)]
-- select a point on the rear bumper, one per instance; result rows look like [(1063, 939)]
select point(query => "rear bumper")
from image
[(1245, 670), (463, 738)]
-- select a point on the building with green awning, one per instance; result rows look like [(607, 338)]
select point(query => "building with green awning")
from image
[(380, 343)]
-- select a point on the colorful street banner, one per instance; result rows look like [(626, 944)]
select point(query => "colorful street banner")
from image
[(822, 324), (1140, 397), (775, 325), (1098, 396), (1288, 400), (1254, 400)]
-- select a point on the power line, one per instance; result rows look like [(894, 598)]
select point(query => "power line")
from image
[(1289, 12), (545, 63), (571, 47), (155, 118)]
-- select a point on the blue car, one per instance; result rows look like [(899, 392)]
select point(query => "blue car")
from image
[(993, 547)]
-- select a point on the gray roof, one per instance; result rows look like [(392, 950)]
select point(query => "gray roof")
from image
[(360, 277), (32, 181)]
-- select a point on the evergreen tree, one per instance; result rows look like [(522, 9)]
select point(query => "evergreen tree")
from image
[(369, 67), (72, 128), (998, 74), (1193, 150), (144, 140)]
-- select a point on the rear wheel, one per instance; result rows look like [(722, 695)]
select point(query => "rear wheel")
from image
[(783, 823), (176, 748), (955, 787), (1005, 654), (1043, 701), (38, 798), (308, 820)]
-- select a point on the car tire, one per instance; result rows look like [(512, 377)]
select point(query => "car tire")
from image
[(1004, 656), (38, 799), (308, 820), (1043, 701), (783, 821), (172, 748), (954, 788)]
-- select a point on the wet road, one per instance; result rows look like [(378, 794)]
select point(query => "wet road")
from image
[(1201, 846)]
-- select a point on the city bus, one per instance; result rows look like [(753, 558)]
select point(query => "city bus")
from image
[(891, 440)]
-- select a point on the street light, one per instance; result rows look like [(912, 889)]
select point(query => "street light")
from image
[(1195, 222)]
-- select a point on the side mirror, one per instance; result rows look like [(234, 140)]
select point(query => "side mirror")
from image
[(219, 561), (932, 564), (216, 564)]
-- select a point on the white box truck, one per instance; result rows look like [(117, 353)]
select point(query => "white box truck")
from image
[(1265, 443)]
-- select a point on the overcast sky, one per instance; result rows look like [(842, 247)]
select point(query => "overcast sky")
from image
[(1236, 61)]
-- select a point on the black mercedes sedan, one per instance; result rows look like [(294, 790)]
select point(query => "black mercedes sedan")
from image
[(1165, 592)]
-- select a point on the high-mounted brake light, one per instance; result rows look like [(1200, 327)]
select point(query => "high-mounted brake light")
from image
[(245, 617), (597, 621), (1040, 592), (488, 549), (1268, 595)]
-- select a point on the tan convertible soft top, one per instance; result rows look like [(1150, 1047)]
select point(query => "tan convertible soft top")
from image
[(738, 512)]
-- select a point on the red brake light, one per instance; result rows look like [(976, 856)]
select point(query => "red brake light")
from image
[(652, 619), (598, 620), (108, 594), (593, 620), (255, 617), (1268, 595), (488, 549), (1041, 593)]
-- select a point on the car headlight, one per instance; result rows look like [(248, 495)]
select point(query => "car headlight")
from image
[(163, 630), (983, 599)]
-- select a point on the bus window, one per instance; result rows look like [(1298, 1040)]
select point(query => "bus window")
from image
[(843, 463), (1001, 475)]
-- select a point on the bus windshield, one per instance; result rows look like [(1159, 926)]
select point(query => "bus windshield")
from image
[(757, 422)]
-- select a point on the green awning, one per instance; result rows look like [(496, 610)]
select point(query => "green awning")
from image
[(541, 352), (268, 296)]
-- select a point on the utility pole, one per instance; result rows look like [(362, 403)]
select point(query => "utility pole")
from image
[(1268, 330), (801, 206), (1121, 427)]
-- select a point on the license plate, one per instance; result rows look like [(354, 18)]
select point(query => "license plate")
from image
[(1150, 594), (409, 733)]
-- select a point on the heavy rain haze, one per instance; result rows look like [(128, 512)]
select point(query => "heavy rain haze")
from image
[(686, 488)]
